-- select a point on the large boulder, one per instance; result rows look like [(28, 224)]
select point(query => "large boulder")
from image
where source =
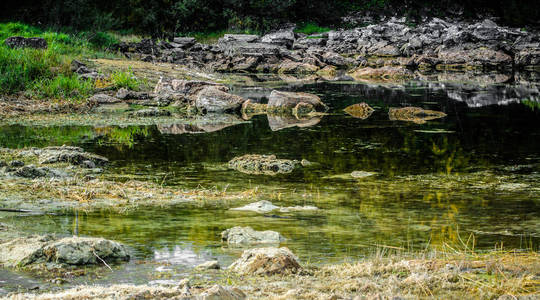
[(289, 100), (246, 235), (266, 261), (33, 250), (262, 164), (21, 42), (211, 99)]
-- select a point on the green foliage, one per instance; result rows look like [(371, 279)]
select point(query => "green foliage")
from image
[(311, 28), (125, 79), (62, 87)]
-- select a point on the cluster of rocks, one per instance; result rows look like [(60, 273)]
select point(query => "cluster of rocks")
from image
[(433, 44)]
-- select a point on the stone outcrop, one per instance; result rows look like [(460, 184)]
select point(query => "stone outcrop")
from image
[(266, 261), (74, 251), (263, 164), (433, 44), (246, 235)]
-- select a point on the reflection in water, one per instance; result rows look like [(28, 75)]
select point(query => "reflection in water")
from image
[(476, 170)]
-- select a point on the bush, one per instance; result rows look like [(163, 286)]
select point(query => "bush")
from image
[(311, 28)]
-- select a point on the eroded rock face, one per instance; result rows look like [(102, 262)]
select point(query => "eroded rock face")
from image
[(68, 154), (359, 110), (263, 164), (414, 114), (211, 99), (21, 42), (65, 251), (266, 261), (288, 100), (246, 235)]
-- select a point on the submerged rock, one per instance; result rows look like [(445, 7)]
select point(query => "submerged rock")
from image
[(33, 250), (361, 174), (359, 110), (262, 206), (262, 164), (266, 261), (246, 235), (68, 154), (414, 114), (211, 99)]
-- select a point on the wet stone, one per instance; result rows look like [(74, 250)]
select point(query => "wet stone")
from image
[(246, 235)]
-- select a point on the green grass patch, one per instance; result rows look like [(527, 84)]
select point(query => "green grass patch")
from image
[(311, 28), (125, 79), (63, 87), (45, 72)]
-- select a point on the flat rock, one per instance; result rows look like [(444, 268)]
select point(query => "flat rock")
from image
[(103, 99), (262, 206), (65, 251), (262, 164), (266, 261), (246, 235), (151, 112)]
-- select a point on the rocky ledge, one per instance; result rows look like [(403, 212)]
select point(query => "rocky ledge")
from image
[(435, 44)]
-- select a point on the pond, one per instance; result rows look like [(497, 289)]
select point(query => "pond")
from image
[(474, 173)]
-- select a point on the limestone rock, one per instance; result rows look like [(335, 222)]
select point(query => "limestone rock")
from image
[(289, 100), (246, 235), (211, 99), (21, 42), (266, 261), (65, 251)]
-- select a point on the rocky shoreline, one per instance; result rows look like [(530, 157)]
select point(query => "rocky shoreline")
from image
[(392, 48)]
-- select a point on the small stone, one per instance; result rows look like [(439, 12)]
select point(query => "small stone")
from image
[(209, 265)]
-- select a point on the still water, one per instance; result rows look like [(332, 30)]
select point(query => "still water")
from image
[(475, 172)]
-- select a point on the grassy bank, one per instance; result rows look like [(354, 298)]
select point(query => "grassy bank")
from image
[(46, 73)]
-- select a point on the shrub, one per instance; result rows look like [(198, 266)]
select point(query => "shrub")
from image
[(311, 28)]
